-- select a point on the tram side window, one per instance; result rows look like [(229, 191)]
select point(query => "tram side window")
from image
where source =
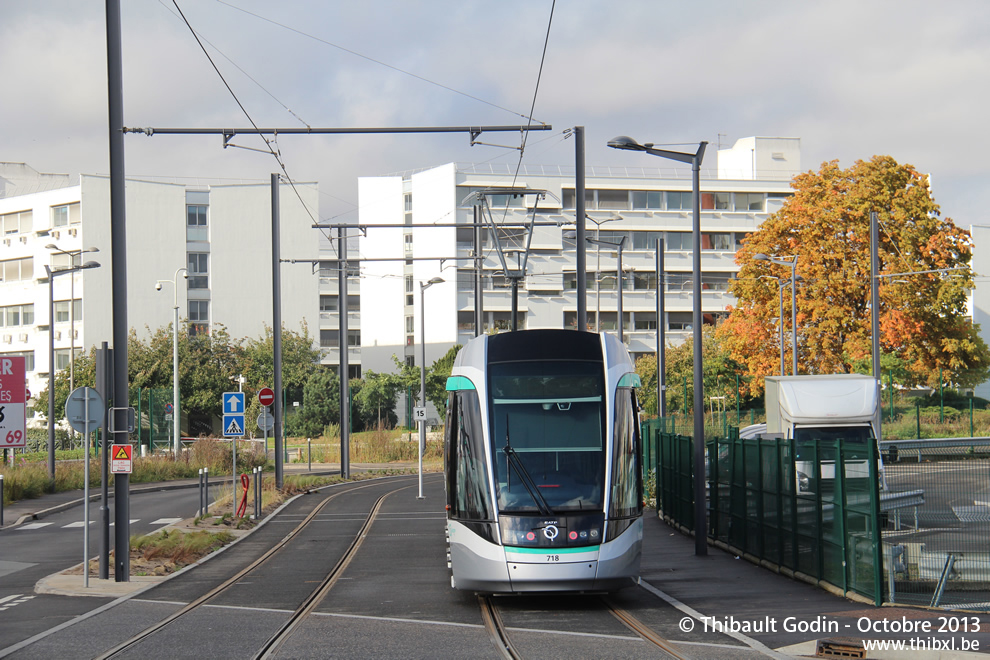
[(627, 480), (468, 491)]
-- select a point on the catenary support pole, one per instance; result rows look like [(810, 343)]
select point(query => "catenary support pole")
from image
[(118, 260), (344, 368), (277, 411), (581, 263)]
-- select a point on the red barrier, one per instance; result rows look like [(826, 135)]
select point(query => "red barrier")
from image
[(246, 484)]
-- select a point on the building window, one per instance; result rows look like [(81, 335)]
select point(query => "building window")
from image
[(716, 241), (678, 241), (353, 337), (715, 281), (199, 317), (409, 283), (679, 201), (199, 264), (329, 338), (465, 279), (16, 223), (410, 324), (353, 371), (645, 321), (196, 215), (62, 310), (680, 320), (723, 201), (196, 222), (65, 215), (677, 281), (613, 200), (407, 201), (645, 240), (16, 270), (409, 300), (27, 355), (328, 303), (62, 357), (647, 199), (16, 315), (465, 320), (749, 202), (644, 281)]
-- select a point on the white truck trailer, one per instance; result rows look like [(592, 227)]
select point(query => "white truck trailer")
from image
[(824, 408)]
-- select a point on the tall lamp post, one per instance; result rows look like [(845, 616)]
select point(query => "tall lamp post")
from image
[(423, 286), (700, 509), (792, 262), (73, 256), (176, 431), (52, 274)]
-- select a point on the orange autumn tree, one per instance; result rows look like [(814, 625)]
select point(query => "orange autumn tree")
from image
[(825, 224)]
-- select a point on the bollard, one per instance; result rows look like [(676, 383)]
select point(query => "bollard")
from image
[(206, 498), (257, 493), (309, 450), (200, 510)]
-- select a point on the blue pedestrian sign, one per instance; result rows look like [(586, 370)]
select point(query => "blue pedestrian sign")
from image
[(233, 414)]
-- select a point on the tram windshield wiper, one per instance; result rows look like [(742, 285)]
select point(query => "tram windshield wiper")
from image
[(527, 481)]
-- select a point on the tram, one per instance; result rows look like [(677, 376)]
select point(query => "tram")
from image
[(542, 464)]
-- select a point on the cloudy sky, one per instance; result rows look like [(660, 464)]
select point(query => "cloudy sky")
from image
[(850, 78)]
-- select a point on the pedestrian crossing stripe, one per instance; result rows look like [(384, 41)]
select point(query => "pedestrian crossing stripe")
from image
[(233, 428)]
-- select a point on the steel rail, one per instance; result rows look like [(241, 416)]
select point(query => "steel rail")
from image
[(275, 642), (641, 629), (212, 593), (496, 629)]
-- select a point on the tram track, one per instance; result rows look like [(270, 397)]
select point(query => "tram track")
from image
[(501, 640), (310, 602)]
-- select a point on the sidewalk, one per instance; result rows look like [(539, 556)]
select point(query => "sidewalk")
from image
[(17, 513)]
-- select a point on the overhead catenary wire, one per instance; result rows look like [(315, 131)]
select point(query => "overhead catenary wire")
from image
[(267, 142), (371, 59)]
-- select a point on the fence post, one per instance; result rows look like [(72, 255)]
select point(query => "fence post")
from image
[(309, 452), (839, 509)]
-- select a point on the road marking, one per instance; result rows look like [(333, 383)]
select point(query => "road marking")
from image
[(166, 521), (78, 523), (16, 599), (133, 520), (34, 526)]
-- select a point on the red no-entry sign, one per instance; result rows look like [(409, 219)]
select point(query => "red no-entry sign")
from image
[(266, 396)]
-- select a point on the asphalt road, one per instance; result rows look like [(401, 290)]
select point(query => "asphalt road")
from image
[(35, 550)]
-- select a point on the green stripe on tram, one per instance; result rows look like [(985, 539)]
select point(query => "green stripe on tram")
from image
[(455, 383), (629, 380), (551, 551)]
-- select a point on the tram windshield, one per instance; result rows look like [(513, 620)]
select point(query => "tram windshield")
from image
[(547, 421)]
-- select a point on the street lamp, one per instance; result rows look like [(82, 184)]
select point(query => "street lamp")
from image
[(423, 286), (792, 262), (72, 254), (700, 511), (176, 431), (52, 274)]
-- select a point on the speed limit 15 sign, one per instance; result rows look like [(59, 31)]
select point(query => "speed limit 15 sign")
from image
[(13, 397)]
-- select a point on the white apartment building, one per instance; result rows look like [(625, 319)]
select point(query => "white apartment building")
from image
[(220, 233), (639, 205)]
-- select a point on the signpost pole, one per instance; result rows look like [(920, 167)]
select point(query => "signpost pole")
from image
[(85, 436)]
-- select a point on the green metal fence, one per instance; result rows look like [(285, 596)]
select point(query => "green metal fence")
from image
[(799, 514), (152, 424)]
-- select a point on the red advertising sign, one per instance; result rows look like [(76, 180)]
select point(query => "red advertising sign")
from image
[(266, 396), (13, 400)]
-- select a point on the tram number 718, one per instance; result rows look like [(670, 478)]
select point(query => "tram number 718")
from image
[(553, 557)]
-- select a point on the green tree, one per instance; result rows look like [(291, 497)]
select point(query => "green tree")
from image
[(320, 405), (825, 224), (719, 371), (374, 402), (436, 379)]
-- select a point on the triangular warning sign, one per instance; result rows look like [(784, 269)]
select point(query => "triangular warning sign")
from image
[(233, 428), (122, 454)]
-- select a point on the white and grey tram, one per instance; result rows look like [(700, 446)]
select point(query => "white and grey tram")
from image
[(542, 464)]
